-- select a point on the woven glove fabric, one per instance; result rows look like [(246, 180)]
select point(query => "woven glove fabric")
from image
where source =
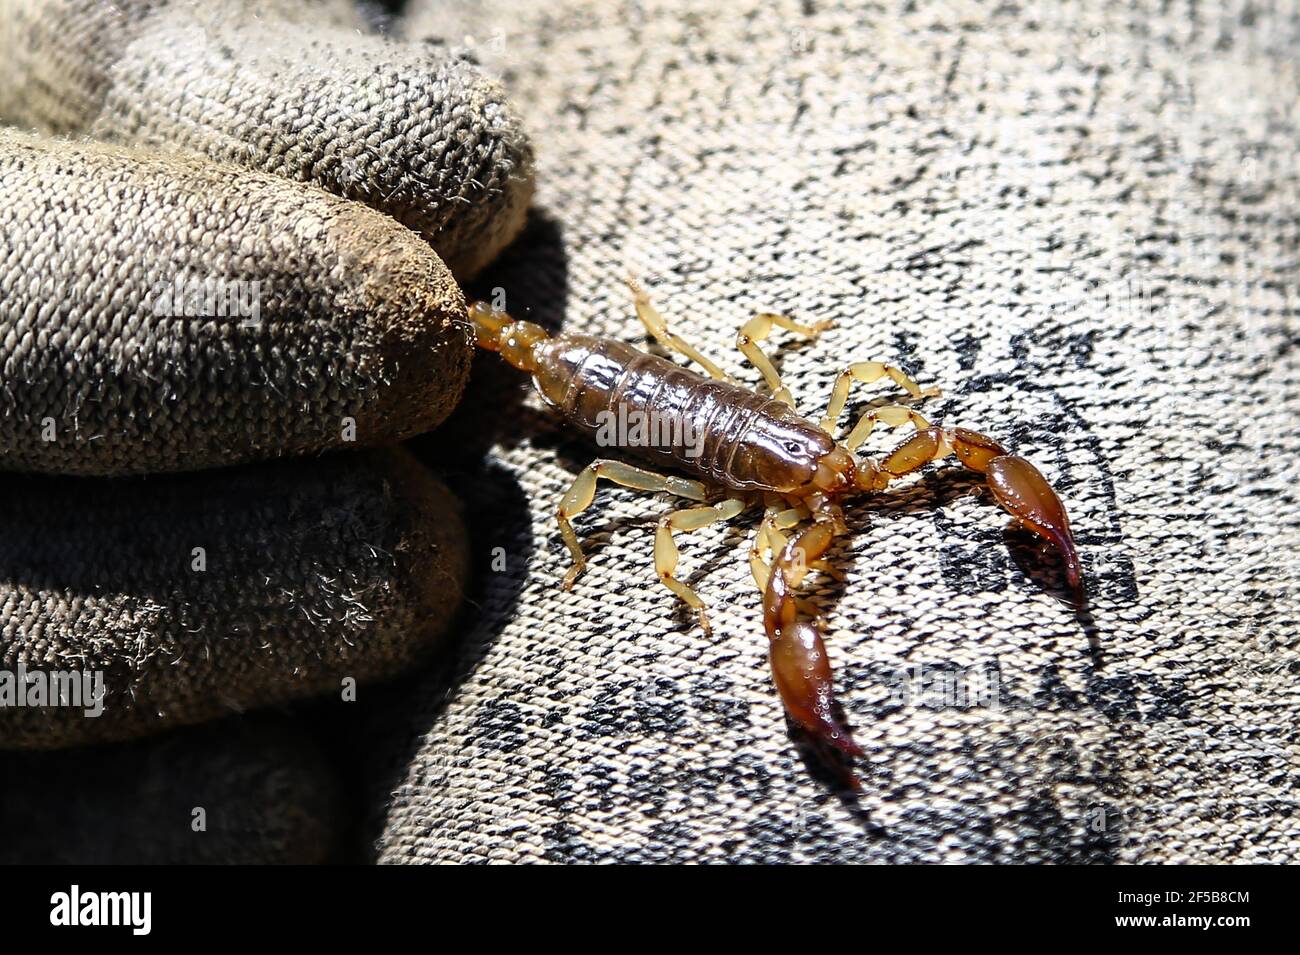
[(286, 88), (194, 596), (1079, 220), (266, 792), (172, 313)]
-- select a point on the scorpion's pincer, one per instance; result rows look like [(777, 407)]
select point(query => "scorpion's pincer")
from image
[(802, 674), (800, 667), (1025, 493)]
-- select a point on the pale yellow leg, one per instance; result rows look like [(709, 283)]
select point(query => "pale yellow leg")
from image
[(666, 554), (657, 326), (583, 490), (895, 416), (868, 372), (768, 538), (759, 328)]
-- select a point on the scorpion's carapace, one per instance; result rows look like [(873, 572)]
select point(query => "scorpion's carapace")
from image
[(759, 452)]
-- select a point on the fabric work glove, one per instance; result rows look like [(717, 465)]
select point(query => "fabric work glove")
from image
[(230, 240)]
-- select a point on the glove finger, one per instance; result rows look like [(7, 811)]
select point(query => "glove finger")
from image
[(255, 791), (424, 138), (171, 313), (192, 596)]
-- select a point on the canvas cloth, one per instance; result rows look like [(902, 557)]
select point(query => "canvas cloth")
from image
[(1079, 220)]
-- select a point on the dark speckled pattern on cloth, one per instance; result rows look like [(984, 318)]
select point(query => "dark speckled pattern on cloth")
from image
[(1082, 221)]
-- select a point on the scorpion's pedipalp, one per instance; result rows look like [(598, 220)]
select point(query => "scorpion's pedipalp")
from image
[(802, 674), (800, 666), (1025, 493), (1016, 484)]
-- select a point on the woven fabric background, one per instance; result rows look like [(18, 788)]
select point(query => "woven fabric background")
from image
[(1081, 220)]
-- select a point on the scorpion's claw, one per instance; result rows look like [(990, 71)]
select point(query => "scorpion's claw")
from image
[(1025, 493), (803, 678)]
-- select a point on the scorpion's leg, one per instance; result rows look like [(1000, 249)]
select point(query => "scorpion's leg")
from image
[(757, 329), (666, 554), (895, 416), (580, 494), (1016, 484), (768, 537), (868, 372), (800, 667), (657, 326)]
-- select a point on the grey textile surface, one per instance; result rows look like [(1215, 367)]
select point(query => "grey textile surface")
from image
[(289, 87), (1078, 219), (267, 792), (196, 596), (170, 313)]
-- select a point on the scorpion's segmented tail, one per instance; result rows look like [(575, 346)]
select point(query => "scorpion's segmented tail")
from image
[(515, 340)]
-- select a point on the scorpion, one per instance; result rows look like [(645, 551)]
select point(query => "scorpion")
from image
[(756, 450)]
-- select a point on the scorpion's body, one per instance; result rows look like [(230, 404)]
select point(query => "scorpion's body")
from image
[(745, 441), (755, 450)]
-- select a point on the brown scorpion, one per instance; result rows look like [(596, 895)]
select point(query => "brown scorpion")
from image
[(760, 451)]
